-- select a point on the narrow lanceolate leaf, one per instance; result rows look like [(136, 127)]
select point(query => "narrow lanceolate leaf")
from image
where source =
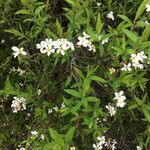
[(73, 93), (39, 9), (147, 114), (125, 18), (59, 28), (24, 12), (69, 135), (70, 2), (79, 72), (146, 33), (141, 9), (99, 25), (131, 35), (99, 79), (15, 32), (55, 135), (86, 86)]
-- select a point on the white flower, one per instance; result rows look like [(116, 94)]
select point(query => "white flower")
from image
[(110, 15), (86, 35), (22, 148), (55, 108), (34, 133), (2, 41), (92, 47), (148, 7), (63, 105), (42, 137), (112, 70), (97, 146), (104, 41), (39, 92), (18, 104), (111, 109), (138, 65), (72, 148), (146, 22), (101, 140), (126, 67), (21, 72), (138, 57), (83, 41), (49, 42), (18, 51), (120, 103), (49, 50), (138, 148), (61, 51), (113, 147), (98, 4), (61, 45), (50, 111), (120, 98), (41, 46)]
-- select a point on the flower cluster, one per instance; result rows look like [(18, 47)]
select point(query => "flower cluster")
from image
[(85, 42), (126, 67), (102, 142), (137, 59), (120, 103), (18, 104), (120, 99), (19, 70), (18, 51), (34, 133), (110, 15), (111, 109), (59, 46)]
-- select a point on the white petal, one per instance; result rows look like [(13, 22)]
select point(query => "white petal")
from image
[(23, 53), (14, 48)]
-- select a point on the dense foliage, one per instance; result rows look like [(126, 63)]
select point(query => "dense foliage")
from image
[(75, 75)]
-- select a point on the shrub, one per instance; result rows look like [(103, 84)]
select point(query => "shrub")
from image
[(75, 75)]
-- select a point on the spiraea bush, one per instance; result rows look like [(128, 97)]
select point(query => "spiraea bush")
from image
[(75, 75)]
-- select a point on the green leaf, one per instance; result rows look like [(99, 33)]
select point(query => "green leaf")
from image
[(73, 93), (15, 32), (146, 33), (55, 135), (9, 89), (79, 72), (99, 79), (147, 114), (86, 85), (141, 9), (99, 24), (39, 9), (24, 12), (49, 146), (92, 99), (59, 28), (69, 135), (125, 18), (131, 35), (70, 2)]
